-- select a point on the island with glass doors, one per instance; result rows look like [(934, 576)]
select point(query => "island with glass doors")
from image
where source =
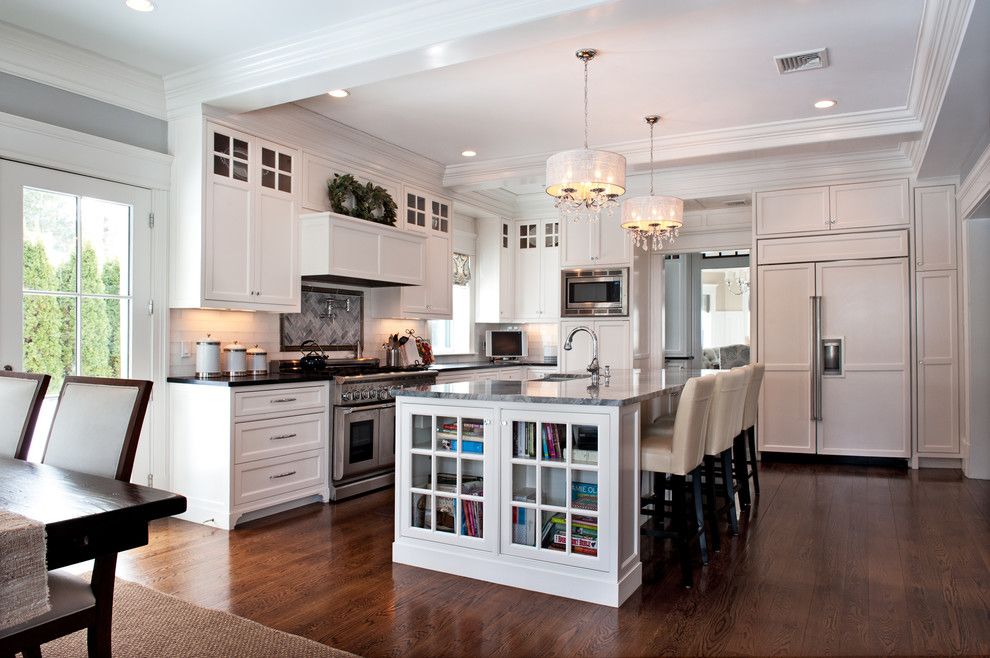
[(533, 484)]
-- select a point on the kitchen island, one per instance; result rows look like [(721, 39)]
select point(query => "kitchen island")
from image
[(533, 484)]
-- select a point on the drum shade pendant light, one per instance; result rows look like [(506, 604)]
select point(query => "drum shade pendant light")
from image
[(586, 181), (652, 221)]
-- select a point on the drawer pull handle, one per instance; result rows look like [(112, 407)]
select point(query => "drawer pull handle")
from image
[(281, 475), (277, 400), (279, 437)]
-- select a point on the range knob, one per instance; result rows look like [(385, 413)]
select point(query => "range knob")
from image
[(383, 394), (361, 395), (345, 396)]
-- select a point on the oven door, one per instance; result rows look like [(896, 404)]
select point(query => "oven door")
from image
[(356, 439), (595, 295)]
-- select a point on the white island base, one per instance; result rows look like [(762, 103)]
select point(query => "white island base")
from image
[(524, 484)]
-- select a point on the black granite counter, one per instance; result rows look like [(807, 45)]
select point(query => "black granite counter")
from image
[(481, 365), (254, 380)]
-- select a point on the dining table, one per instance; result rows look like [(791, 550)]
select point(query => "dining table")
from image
[(86, 517)]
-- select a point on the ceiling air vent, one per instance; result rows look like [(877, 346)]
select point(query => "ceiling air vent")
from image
[(808, 61), (738, 203)]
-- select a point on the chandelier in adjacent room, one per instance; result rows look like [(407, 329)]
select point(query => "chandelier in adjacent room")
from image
[(652, 221), (586, 181)]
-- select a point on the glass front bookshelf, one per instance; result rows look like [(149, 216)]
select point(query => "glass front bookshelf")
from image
[(447, 473), (553, 476)]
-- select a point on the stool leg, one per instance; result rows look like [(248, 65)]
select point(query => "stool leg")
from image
[(751, 435), (740, 463), (730, 496), (699, 514), (710, 502), (681, 528)]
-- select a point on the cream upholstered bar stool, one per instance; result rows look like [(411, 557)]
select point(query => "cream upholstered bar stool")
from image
[(746, 464), (724, 420), (21, 396), (676, 449)]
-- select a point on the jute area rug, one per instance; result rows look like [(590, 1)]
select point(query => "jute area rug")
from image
[(149, 624)]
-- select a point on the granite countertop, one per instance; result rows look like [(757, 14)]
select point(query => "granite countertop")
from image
[(478, 365), (624, 387), (254, 380)]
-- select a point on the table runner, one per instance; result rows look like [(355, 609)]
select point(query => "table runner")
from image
[(23, 569)]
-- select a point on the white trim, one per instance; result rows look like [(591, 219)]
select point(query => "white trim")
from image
[(975, 188), (37, 143), (55, 63), (761, 137)]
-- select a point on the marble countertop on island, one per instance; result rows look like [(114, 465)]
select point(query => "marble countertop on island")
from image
[(624, 387)]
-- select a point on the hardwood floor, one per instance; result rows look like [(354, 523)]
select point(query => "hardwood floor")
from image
[(832, 560)]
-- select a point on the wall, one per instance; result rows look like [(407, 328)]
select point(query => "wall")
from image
[(57, 107), (977, 235)]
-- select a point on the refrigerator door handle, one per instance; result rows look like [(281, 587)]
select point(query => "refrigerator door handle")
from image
[(816, 358)]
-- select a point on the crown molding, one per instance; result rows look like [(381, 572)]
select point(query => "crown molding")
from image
[(752, 175), (45, 145), (55, 63), (746, 139), (500, 202), (383, 44), (943, 26), (975, 188)]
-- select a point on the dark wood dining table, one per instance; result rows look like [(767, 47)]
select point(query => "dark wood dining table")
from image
[(86, 517)]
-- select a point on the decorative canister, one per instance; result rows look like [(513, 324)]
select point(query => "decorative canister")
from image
[(235, 355), (208, 358), (257, 361)]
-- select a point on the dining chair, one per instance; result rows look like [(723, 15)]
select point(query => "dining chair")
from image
[(96, 429), (21, 396), (676, 450), (724, 421), (744, 446)]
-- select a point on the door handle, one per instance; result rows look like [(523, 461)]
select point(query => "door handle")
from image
[(279, 400), (279, 437), (281, 475), (816, 382)]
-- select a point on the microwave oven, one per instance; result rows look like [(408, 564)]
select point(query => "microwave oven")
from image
[(585, 293)]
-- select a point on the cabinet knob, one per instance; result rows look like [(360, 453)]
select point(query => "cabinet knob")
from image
[(919, 262)]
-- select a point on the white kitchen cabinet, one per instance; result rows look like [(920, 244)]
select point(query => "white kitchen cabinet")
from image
[(494, 272), (614, 345), (235, 238), (938, 364), (427, 212), (592, 243), (935, 228), (435, 299), (537, 270), (833, 208), (248, 450)]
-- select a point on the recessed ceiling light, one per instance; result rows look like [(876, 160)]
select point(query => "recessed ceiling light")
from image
[(469, 154), (140, 5), (339, 93), (825, 103)]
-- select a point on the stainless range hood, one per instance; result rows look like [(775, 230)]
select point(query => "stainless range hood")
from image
[(345, 250)]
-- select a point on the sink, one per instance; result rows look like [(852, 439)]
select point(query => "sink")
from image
[(561, 377)]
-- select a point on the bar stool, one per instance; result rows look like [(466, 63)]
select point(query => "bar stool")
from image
[(725, 417), (677, 449), (746, 465)]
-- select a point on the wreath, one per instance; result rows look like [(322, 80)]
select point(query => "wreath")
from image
[(364, 201)]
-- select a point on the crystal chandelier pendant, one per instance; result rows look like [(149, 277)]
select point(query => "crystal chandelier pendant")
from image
[(653, 221), (585, 182)]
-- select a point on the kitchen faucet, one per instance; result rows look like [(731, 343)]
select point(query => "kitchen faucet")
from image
[(593, 366)]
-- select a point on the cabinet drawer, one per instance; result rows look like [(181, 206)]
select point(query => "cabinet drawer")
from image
[(273, 437), (249, 403), (271, 477)]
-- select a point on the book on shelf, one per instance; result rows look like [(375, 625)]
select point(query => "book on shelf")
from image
[(584, 456), (525, 495), (472, 518), (554, 441), (474, 447), (472, 485), (584, 495), (524, 526)]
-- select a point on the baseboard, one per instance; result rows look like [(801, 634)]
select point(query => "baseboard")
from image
[(798, 458), (940, 462)]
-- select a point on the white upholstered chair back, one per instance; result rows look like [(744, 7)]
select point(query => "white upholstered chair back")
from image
[(97, 425), (725, 416), (753, 395), (21, 395), (690, 425)]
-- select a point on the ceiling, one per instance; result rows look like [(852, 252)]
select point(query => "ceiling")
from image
[(180, 34), (702, 65)]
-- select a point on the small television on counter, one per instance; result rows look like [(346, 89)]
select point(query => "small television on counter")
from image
[(505, 343)]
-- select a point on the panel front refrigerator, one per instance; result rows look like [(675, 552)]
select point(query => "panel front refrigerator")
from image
[(835, 339)]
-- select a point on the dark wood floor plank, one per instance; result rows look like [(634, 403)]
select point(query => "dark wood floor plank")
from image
[(832, 560)]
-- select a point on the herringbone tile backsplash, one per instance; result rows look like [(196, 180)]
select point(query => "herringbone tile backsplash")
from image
[(328, 316)]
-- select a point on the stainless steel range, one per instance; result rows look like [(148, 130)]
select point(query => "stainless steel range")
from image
[(362, 429)]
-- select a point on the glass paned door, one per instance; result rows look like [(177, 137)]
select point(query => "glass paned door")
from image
[(76, 264)]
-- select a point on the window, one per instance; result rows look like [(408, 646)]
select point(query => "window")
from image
[(456, 336)]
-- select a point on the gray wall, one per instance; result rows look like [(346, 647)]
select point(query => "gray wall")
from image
[(57, 107), (978, 279)]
